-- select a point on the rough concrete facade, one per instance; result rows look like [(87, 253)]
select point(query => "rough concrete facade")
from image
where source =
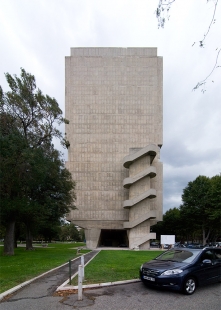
[(113, 100)]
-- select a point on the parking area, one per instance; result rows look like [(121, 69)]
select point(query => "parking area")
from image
[(123, 297), (136, 296)]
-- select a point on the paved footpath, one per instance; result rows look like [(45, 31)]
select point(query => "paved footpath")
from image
[(41, 295)]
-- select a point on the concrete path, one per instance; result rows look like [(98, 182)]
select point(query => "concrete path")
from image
[(34, 295)]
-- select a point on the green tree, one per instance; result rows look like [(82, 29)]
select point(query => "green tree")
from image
[(51, 193), (214, 212), (82, 234), (197, 206), (199, 217), (69, 232), (34, 182), (48, 231), (171, 224), (34, 114), (74, 233), (12, 171)]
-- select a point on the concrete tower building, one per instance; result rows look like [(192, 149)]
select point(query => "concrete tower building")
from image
[(114, 102)]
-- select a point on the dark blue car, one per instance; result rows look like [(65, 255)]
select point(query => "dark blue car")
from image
[(183, 269)]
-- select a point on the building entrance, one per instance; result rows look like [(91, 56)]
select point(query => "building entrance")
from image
[(113, 238)]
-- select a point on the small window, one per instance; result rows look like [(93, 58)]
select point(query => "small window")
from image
[(207, 255), (217, 254)]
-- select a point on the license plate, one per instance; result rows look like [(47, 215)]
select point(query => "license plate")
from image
[(149, 278)]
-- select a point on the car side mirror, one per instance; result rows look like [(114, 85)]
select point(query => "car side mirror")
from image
[(207, 262)]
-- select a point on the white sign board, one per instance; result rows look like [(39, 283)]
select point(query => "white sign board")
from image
[(167, 239)]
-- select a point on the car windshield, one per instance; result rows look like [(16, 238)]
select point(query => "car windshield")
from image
[(178, 256)]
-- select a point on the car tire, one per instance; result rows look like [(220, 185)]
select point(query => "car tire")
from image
[(189, 286)]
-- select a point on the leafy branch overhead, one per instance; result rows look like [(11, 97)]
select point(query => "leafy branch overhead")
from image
[(163, 15)]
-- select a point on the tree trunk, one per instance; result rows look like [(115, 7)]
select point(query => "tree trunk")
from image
[(9, 239), (29, 239), (205, 238)]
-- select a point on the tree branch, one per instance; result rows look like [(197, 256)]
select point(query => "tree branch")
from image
[(160, 11), (160, 14), (212, 22), (199, 84)]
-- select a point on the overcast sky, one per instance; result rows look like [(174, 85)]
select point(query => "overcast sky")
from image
[(38, 34)]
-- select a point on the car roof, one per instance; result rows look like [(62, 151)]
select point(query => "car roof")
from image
[(195, 248), (187, 249)]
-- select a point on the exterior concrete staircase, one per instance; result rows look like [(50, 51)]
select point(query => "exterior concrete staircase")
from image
[(143, 218), (141, 170)]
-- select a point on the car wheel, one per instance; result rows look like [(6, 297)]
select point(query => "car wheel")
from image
[(189, 286)]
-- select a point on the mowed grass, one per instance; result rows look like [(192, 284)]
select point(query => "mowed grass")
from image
[(115, 265), (25, 265)]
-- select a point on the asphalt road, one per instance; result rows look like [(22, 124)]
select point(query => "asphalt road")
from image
[(41, 295)]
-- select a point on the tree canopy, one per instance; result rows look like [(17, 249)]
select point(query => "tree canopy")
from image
[(34, 114), (199, 216), (35, 186)]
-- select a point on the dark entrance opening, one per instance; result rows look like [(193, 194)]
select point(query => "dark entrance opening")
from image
[(113, 238)]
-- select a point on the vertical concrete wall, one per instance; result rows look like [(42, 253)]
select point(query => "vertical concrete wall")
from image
[(113, 100)]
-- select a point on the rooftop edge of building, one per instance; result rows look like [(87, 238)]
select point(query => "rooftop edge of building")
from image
[(114, 51)]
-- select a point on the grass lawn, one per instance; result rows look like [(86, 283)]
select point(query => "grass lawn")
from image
[(25, 265), (116, 265)]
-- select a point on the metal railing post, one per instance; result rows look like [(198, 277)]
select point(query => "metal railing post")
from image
[(80, 282), (70, 271), (82, 264)]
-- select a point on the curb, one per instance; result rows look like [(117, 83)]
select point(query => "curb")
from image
[(72, 287)]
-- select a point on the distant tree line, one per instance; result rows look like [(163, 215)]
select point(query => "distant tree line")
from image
[(36, 189), (60, 231), (199, 216)]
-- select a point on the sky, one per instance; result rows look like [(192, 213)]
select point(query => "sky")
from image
[(37, 35)]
